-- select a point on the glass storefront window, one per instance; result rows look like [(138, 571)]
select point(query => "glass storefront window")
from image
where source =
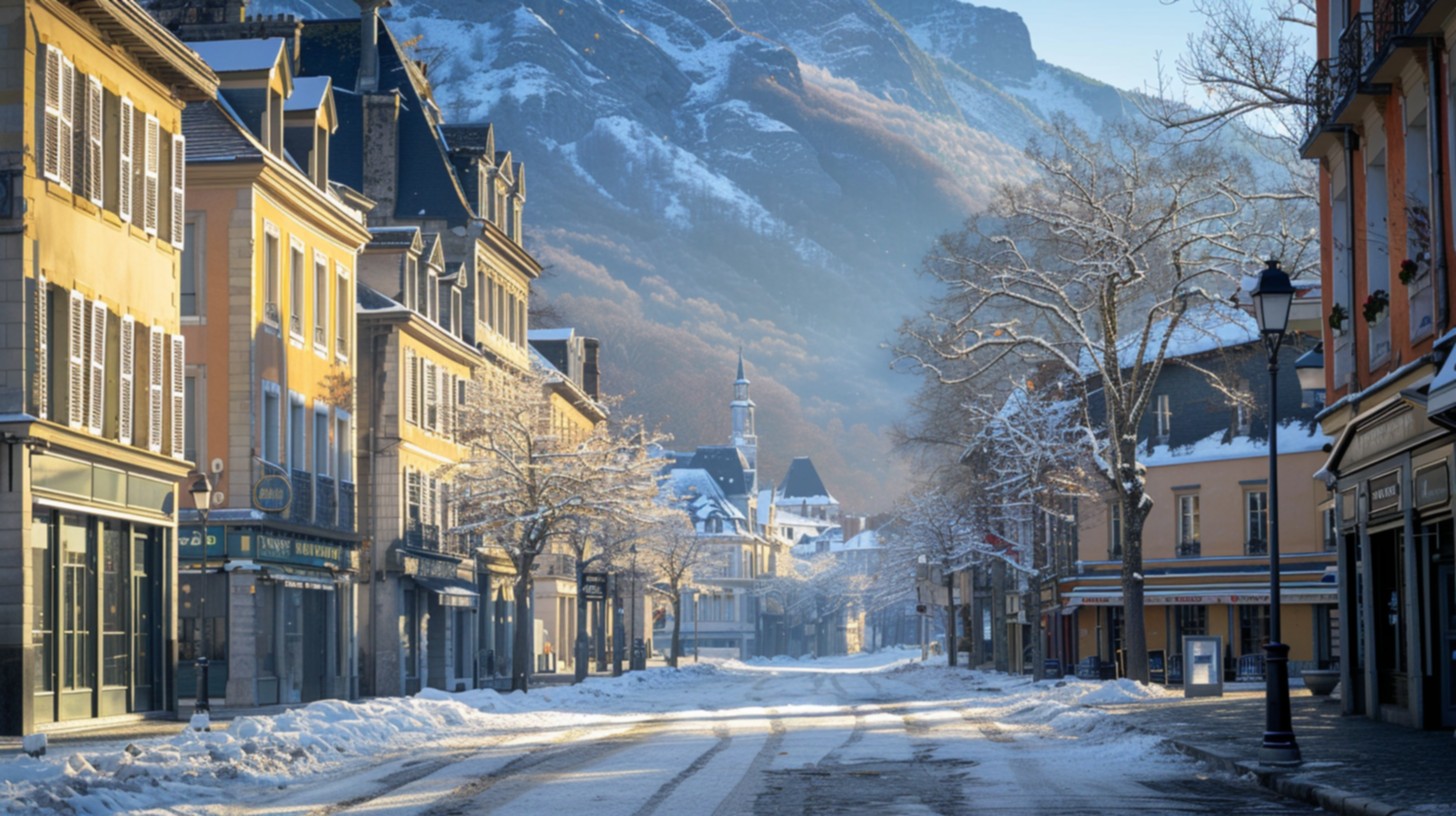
[(115, 656), (78, 581), (411, 620), (42, 632), (145, 545)]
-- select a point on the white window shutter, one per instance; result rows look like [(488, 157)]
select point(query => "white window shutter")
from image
[(96, 391), (431, 384), (126, 383), (156, 365), (179, 175), (179, 397), (95, 139), (40, 383), (151, 158), (51, 162), (76, 362), (447, 410), (65, 138), (411, 388), (125, 159)]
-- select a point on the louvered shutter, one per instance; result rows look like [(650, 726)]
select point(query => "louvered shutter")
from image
[(66, 134), (179, 397), (125, 160), (126, 382), (76, 362), (151, 159), (447, 409), (431, 402), (96, 391), (79, 139), (156, 366), (411, 388), (95, 139), (179, 174), (40, 383), (53, 97)]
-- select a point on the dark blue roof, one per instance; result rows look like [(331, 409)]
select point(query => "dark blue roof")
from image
[(726, 464), (802, 481)]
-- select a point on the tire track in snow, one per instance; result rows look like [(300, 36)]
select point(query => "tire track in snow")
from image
[(661, 795), (741, 798)]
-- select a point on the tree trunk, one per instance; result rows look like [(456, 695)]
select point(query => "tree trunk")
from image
[(581, 650), (1000, 648), (1039, 544), (676, 626), (1134, 629), (951, 647), (523, 650)]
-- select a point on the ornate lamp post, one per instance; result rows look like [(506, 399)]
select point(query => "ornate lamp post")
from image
[(201, 491), (1272, 299)]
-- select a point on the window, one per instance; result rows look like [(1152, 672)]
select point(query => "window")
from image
[(1253, 629), (1188, 532), (411, 388), (1114, 531), (456, 311), (1189, 620), (115, 657), (191, 268), (343, 312), (322, 460), (190, 395), (413, 508), (43, 624), (344, 444), (78, 582), (430, 418), (59, 117), (126, 385), (272, 423), (156, 366), (320, 303), (1165, 417), (297, 453), (76, 361), (411, 283), (295, 289), (95, 188), (272, 285), (41, 375), (432, 294), (1256, 521)]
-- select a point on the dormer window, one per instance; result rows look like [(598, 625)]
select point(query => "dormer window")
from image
[(411, 283)]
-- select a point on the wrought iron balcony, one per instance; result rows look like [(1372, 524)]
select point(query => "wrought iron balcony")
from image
[(302, 508), (346, 506), (1190, 549), (326, 501)]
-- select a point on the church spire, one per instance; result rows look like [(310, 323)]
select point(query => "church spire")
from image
[(745, 438)]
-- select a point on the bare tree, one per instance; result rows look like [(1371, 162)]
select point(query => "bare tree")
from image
[(526, 483), (673, 551), (1086, 275)]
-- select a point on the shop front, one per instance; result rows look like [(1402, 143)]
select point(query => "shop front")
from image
[(437, 620), (273, 609), (98, 587)]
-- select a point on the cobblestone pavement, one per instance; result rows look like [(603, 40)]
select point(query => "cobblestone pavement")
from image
[(1351, 764)]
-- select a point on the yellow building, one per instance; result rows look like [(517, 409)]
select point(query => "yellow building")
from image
[(420, 627), (90, 232), (271, 357)]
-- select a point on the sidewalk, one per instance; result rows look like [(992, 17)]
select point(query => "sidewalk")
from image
[(1352, 765)]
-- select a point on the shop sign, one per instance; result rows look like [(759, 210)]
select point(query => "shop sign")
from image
[(1433, 486), (189, 543), (272, 547), (429, 567), (1348, 505), (1379, 439), (272, 493), (1385, 493), (594, 585)]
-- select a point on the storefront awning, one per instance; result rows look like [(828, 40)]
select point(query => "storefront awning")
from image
[(1195, 596), (449, 591)]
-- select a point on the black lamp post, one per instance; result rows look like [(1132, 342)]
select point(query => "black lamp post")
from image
[(632, 620), (201, 491), (1272, 299)]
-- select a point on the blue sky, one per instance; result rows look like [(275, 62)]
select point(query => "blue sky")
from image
[(1116, 41)]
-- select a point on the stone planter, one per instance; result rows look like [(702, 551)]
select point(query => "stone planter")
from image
[(1320, 682)]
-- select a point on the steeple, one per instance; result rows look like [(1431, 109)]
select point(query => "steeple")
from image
[(745, 438)]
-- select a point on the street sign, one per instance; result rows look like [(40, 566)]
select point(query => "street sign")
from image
[(594, 585)]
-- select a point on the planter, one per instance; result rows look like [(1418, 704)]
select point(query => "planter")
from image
[(1320, 682)]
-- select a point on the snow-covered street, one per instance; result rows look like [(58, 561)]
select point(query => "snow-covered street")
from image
[(868, 733)]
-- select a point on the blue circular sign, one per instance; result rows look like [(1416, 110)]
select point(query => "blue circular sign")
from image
[(272, 494)]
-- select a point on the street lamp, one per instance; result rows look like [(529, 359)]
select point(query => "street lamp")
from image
[(201, 491), (1272, 298)]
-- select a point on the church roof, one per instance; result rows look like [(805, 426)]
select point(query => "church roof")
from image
[(726, 464)]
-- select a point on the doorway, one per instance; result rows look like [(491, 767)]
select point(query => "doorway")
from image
[(1446, 660)]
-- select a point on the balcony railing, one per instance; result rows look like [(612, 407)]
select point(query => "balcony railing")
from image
[(422, 536), (1189, 549), (326, 501), (302, 508), (1256, 546), (346, 506)]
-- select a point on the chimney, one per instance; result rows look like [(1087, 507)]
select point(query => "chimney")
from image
[(369, 43), (591, 372), (381, 160)]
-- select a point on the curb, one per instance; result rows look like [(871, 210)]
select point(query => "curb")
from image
[(1281, 782)]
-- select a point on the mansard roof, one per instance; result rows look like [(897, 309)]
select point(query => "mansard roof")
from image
[(726, 464), (803, 482)]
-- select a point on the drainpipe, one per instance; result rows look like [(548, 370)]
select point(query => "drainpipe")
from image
[(1352, 143), (1437, 181)]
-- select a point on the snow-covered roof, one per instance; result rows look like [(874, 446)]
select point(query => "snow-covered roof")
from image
[(228, 56), (308, 94), (550, 334), (1203, 328), (1293, 438)]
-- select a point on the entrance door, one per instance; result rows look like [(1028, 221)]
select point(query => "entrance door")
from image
[(1388, 557), (316, 644), (1446, 660)]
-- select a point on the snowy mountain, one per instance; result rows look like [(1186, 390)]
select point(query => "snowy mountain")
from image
[(706, 173)]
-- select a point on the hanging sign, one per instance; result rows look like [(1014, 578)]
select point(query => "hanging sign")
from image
[(272, 493), (1433, 486)]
